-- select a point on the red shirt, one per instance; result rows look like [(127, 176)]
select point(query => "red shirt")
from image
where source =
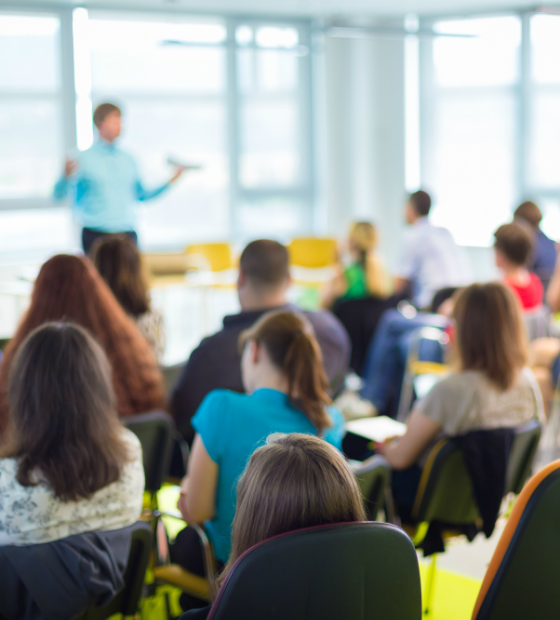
[(531, 295)]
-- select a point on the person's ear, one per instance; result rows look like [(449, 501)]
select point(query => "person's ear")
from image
[(241, 279), (255, 351), (288, 280)]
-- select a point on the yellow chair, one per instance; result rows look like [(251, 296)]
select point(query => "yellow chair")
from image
[(215, 256), (164, 269), (313, 252)]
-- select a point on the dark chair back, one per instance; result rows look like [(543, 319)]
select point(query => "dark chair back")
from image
[(156, 432), (374, 480), (525, 443), (354, 571), (127, 601), (522, 579), (171, 375)]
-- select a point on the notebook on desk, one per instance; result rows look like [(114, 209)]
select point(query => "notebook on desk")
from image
[(376, 429)]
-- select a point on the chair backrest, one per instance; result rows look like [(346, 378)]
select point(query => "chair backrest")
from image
[(171, 375), (312, 252), (522, 577), (355, 571), (127, 601), (218, 256), (525, 443), (374, 478), (537, 323), (445, 492), (156, 432)]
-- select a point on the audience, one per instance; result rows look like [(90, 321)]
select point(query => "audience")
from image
[(543, 256), (491, 388), (69, 288), (293, 482), (429, 258), (68, 466), (285, 386), (262, 285), (512, 247), (117, 259), (365, 275)]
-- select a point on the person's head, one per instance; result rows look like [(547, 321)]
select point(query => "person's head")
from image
[(264, 275), (63, 421), (68, 288), (490, 335), (418, 205), (528, 212), (362, 240), (293, 482), (512, 246), (281, 346), (107, 119), (118, 262)]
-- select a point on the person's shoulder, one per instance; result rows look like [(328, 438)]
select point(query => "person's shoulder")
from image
[(222, 401), (457, 382), (322, 319), (132, 442)]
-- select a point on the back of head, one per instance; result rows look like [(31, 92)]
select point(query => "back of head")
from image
[(265, 264), (514, 242), (68, 288), (363, 237), (118, 262), (294, 481), (63, 419), (421, 202), (529, 212), (490, 334), (291, 345)]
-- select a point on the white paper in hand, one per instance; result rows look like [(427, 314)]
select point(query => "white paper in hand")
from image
[(376, 429)]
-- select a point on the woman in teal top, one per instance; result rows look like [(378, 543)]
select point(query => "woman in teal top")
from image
[(285, 387)]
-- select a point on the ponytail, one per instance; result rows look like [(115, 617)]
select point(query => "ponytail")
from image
[(292, 347)]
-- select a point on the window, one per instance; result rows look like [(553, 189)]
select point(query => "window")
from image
[(31, 148), (470, 115)]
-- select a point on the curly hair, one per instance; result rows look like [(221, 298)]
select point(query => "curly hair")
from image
[(68, 288)]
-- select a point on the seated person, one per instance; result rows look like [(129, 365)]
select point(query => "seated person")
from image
[(491, 388), (285, 387), (388, 351), (512, 248), (69, 288), (545, 352), (88, 474), (543, 257), (118, 262), (274, 498), (262, 286), (429, 259), (365, 275)]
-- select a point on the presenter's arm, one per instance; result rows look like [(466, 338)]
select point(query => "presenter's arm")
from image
[(63, 184), (144, 194)]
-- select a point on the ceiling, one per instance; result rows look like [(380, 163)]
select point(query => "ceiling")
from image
[(325, 8)]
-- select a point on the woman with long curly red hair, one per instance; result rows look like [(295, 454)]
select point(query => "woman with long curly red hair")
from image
[(69, 288)]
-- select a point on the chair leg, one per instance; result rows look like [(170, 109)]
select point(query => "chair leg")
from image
[(430, 583)]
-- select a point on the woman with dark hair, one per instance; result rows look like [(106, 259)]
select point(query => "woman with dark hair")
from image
[(69, 288), (285, 387), (292, 482), (118, 262), (68, 466), (491, 387)]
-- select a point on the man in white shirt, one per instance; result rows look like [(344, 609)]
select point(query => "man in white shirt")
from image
[(430, 260)]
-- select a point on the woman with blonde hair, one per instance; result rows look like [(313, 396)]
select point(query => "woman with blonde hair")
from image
[(292, 482), (490, 388), (285, 386), (366, 275)]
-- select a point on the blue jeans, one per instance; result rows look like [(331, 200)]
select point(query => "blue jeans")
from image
[(388, 353)]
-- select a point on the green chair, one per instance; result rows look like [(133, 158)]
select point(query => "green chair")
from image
[(374, 480)]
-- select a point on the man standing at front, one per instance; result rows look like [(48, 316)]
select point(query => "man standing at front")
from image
[(104, 182)]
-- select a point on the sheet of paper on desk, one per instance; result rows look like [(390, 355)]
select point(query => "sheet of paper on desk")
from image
[(376, 429)]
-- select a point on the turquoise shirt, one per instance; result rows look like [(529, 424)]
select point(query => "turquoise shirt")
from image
[(232, 426), (105, 188)]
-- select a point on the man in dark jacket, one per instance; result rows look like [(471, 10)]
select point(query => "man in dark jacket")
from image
[(262, 286)]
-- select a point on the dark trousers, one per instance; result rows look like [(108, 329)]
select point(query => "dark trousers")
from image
[(90, 236), (187, 551)]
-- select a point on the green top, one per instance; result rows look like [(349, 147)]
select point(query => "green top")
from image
[(356, 285)]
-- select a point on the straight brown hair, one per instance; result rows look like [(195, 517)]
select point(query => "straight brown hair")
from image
[(490, 334), (290, 342), (63, 420), (292, 482), (118, 262)]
